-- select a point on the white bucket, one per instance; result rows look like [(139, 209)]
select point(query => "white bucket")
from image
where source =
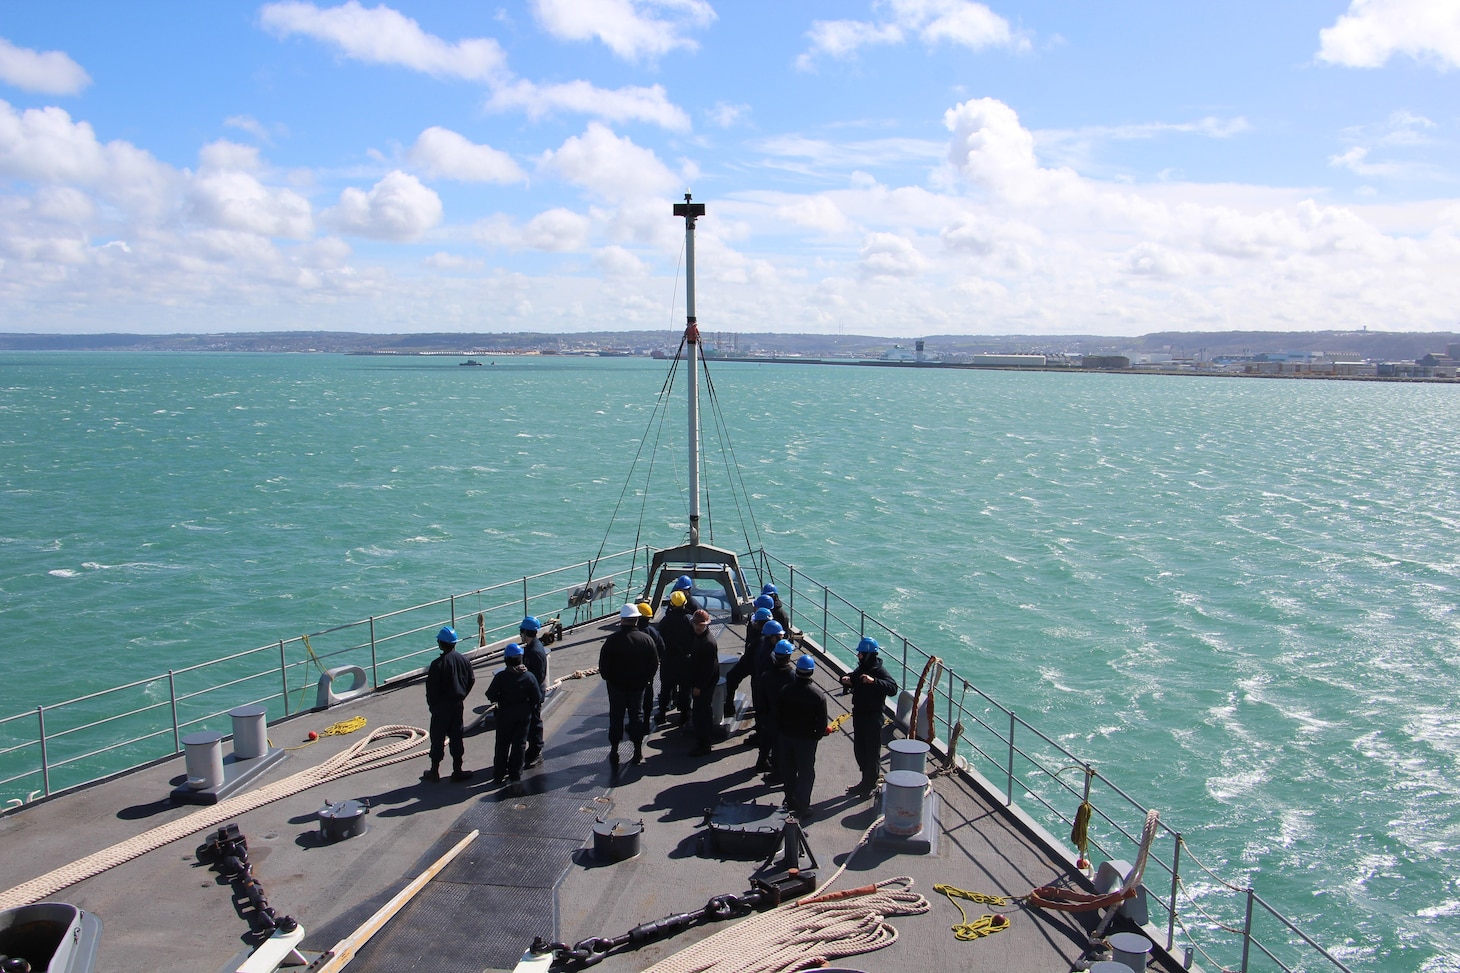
[(250, 734), (1130, 949), (902, 802), (909, 755), (204, 759)]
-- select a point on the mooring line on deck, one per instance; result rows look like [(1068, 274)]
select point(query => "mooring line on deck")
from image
[(357, 759)]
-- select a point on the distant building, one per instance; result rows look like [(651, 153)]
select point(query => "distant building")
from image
[(1007, 361), (1106, 361)]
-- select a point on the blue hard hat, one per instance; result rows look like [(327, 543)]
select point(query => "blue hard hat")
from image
[(761, 615), (868, 644), (529, 624), (768, 589), (773, 627), (766, 602), (447, 635), (784, 648), (512, 651), (805, 666), (683, 583)]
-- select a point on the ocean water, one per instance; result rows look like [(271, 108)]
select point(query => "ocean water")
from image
[(1237, 597)]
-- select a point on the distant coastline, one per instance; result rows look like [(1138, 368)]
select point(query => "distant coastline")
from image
[(1344, 355)]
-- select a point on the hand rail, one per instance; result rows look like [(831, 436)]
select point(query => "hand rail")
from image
[(1031, 772)]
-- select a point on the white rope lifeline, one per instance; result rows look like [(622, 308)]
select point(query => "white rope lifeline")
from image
[(357, 759)]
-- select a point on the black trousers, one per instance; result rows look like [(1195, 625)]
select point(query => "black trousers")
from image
[(446, 724), (512, 729), (625, 702), (867, 743)]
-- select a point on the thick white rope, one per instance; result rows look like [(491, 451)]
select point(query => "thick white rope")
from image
[(357, 759), (802, 935)]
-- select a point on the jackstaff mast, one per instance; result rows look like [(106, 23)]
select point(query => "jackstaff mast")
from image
[(691, 211)]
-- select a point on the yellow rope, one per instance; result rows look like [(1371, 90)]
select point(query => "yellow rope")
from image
[(836, 724), (337, 729), (986, 924)]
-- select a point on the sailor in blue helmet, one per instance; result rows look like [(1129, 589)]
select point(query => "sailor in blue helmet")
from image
[(760, 660), (745, 666), (449, 678), (770, 684), (778, 610), (870, 685), (801, 714), (518, 695), (535, 657)]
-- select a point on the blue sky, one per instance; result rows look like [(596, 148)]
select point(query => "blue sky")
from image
[(894, 167)]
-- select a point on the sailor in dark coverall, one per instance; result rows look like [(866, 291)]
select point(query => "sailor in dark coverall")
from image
[(760, 661), (449, 679), (646, 624), (518, 695), (771, 683), (744, 667), (702, 675), (803, 721), (678, 632), (627, 662), (778, 610), (535, 657), (870, 685)]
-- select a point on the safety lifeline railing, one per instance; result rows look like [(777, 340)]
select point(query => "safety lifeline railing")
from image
[(62, 745), (1229, 926)]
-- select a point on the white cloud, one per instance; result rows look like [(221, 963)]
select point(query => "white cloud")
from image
[(380, 35), (632, 29), (43, 145), (890, 255), (816, 213), (396, 208), (442, 152), (1375, 30), (615, 261), (724, 114), (251, 125), (612, 168), (556, 230), (47, 73), (226, 194), (631, 104), (960, 22)]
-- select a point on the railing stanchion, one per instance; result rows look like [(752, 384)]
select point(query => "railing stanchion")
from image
[(172, 696), (949, 722), (791, 601), (1175, 886), (825, 615), (525, 612), (1009, 784), (374, 668), (284, 674), (905, 676), (861, 624), (40, 715), (1247, 931), (453, 611)]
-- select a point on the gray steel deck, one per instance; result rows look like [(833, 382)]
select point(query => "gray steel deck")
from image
[(529, 872)]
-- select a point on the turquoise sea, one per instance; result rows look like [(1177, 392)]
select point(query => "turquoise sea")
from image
[(1237, 597)]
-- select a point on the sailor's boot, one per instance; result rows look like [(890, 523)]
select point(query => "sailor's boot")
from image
[(638, 756), (459, 774), (433, 772), (613, 756)]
